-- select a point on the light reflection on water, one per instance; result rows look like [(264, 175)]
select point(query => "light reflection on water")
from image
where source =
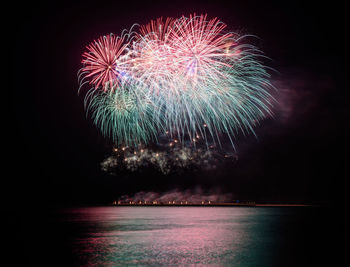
[(176, 235)]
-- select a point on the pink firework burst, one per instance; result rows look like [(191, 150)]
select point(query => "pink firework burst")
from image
[(100, 61), (157, 30), (201, 45)]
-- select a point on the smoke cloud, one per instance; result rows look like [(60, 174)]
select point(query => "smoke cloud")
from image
[(196, 196)]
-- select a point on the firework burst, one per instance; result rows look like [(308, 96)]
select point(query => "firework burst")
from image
[(101, 61), (123, 116), (186, 76)]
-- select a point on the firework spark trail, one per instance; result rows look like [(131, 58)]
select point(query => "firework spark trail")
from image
[(186, 76)]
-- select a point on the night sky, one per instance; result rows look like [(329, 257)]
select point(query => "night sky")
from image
[(56, 150)]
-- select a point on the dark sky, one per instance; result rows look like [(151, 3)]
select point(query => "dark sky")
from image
[(299, 155)]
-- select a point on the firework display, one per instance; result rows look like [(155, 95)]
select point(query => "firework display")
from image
[(187, 77), (180, 158)]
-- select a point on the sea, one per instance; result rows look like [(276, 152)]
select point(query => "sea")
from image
[(172, 236)]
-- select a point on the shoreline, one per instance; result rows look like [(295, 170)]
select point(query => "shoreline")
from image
[(214, 205)]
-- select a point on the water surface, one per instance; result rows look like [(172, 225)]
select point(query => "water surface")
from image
[(175, 236), (178, 236)]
